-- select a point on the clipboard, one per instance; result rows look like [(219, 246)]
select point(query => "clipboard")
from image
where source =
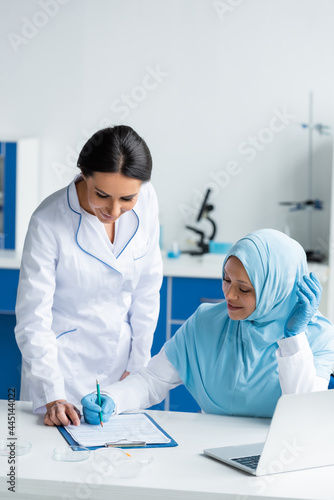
[(131, 444)]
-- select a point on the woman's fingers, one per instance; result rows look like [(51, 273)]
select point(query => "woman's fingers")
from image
[(92, 417), (90, 402), (52, 419), (62, 413), (313, 283), (47, 420), (306, 292), (302, 299), (312, 290), (72, 414)]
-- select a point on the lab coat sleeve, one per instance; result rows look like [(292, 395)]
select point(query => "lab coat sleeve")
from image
[(33, 331), (149, 386), (144, 310), (296, 368)]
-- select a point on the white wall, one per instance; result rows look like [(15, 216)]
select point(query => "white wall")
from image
[(227, 68)]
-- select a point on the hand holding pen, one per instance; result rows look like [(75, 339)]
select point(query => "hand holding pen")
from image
[(97, 408)]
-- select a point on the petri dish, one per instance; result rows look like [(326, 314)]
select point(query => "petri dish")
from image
[(120, 463), (71, 453), (14, 446)]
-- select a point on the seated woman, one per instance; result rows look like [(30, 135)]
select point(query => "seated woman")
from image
[(237, 357)]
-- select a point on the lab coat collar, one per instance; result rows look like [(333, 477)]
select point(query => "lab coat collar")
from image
[(95, 242)]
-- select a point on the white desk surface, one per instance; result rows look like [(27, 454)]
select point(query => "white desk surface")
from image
[(175, 473)]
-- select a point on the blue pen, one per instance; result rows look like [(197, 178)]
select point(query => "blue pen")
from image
[(99, 400)]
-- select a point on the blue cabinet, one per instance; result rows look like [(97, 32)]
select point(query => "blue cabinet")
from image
[(189, 293), (160, 333), (9, 279), (19, 186), (11, 356), (8, 163), (180, 297), (19, 190)]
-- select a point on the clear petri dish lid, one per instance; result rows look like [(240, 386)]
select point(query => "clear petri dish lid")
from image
[(120, 463), (71, 453), (14, 446)]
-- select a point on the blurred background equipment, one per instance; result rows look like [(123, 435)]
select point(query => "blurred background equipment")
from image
[(311, 203)]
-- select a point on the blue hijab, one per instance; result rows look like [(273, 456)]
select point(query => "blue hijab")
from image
[(230, 366)]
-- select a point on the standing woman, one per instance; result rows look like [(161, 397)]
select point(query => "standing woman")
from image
[(88, 296)]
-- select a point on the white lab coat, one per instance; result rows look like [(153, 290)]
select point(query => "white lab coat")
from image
[(150, 385), (85, 308)]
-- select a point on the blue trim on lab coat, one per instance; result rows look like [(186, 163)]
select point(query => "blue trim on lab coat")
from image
[(76, 236), (131, 236), (68, 331), (80, 215)]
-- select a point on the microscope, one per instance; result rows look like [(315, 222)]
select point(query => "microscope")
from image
[(203, 213)]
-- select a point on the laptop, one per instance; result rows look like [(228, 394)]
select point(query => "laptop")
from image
[(300, 436)]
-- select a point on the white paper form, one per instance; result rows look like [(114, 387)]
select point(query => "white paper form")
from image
[(127, 428)]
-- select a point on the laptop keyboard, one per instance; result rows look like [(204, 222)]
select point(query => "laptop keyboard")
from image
[(250, 462)]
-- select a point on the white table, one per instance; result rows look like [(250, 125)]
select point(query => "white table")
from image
[(176, 473)]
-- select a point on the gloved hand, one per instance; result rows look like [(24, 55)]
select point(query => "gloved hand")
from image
[(91, 409), (309, 295)]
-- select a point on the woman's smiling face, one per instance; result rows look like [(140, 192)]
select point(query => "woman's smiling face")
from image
[(238, 290), (109, 195)]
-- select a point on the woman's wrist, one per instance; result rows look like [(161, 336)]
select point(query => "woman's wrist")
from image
[(49, 405)]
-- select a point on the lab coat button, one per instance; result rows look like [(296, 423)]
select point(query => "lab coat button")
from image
[(100, 371)]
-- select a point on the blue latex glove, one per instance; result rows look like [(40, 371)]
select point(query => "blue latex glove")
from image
[(309, 295), (91, 410)]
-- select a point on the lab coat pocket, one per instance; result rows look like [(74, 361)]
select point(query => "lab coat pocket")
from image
[(66, 341), (67, 346), (141, 250), (58, 336)]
